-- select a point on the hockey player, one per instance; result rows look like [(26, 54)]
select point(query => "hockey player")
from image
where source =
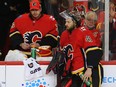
[(81, 49), (33, 28), (90, 23)]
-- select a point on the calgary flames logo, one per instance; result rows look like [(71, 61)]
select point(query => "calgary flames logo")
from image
[(34, 4), (68, 51), (30, 37)]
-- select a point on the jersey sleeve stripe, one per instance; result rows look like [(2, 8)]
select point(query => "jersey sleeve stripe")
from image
[(16, 32), (94, 48), (51, 36), (78, 70)]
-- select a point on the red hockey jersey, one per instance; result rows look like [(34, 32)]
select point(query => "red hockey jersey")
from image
[(78, 43), (34, 30), (97, 36)]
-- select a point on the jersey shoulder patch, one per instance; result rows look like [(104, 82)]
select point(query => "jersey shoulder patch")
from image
[(83, 29), (88, 39), (48, 17), (52, 18)]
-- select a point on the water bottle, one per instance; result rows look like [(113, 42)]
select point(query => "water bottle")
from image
[(88, 83), (33, 53)]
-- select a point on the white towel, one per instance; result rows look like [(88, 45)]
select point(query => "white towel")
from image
[(15, 55), (32, 69)]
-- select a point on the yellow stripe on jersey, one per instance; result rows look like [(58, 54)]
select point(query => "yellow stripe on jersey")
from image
[(51, 36), (78, 70), (99, 75), (93, 48), (95, 9), (99, 25), (14, 33)]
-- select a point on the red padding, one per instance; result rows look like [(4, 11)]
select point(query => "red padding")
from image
[(21, 63), (2, 63), (112, 62)]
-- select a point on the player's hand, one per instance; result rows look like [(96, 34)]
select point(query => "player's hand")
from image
[(25, 46), (87, 74), (34, 44)]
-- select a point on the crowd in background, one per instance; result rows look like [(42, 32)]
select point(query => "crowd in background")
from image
[(10, 9)]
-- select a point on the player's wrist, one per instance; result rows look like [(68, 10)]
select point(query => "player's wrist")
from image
[(21, 44), (91, 67)]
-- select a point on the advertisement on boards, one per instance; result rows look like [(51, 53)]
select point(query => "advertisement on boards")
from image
[(2, 76), (15, 77), (109, 79)]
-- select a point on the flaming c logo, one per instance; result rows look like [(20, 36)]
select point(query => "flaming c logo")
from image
[(34, 36), (34, 4)]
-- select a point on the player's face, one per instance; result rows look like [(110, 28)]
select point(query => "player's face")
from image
[(90, 21), (35, 13), (69, 24)]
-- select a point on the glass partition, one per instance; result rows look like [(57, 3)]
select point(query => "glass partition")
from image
[(112, 29), (101, 7)]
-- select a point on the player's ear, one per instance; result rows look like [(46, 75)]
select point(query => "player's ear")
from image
[(40, 9)]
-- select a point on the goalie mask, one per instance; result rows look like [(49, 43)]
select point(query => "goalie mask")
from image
[(77, 13)]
